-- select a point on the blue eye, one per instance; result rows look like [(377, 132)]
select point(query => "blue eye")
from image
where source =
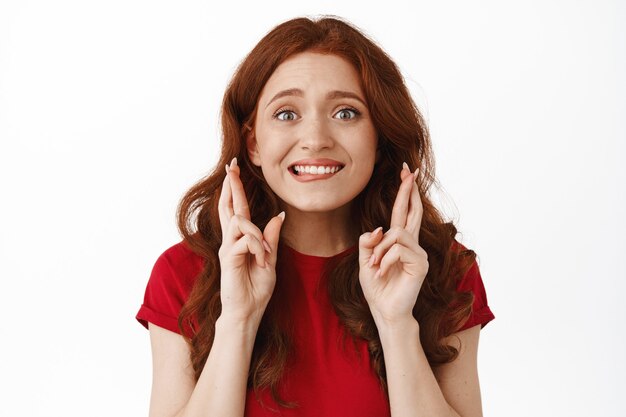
[(285, 115), (347, 114)]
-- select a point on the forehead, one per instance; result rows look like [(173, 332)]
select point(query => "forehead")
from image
[(312, 72)]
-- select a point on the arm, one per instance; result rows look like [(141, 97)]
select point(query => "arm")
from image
[(221, 388), (393, 267), (415, 389), (248, 275)]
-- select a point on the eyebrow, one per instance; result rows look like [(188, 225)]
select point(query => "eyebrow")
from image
[(332, 95)]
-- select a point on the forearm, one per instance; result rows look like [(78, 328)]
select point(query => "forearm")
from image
[(221, 388), (413, 389)]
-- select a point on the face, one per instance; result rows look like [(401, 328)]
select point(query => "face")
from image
[(313, 137)]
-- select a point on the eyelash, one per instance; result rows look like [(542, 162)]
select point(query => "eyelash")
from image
[(287, 109)]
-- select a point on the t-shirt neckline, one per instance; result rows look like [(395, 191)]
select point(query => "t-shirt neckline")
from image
[(314, 259)]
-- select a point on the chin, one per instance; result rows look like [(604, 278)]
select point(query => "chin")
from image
[(317, 206)]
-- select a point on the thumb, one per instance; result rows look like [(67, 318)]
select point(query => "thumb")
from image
[(271, 234), (367, 243)]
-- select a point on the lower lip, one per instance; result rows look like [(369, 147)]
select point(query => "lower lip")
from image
[(311, 177)]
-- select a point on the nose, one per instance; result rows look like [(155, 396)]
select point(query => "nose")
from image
[(316, 135)]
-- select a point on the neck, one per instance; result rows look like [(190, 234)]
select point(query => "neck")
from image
[(319, 233)]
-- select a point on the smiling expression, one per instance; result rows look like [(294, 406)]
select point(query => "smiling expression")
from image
[(313, 136)]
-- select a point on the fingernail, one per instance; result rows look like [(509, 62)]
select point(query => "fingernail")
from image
[(282, 215), (416, 173), (267, 246), (227, 169), (233, 163), (370, 263), (378, 229), (405, 166)]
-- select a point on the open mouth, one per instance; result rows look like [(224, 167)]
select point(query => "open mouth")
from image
[(315, 169)]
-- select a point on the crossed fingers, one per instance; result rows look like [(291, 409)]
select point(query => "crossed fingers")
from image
[(407, 209), (238, 232), (401, 242), (233, 197)]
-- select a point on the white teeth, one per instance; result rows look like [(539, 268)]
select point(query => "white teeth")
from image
[(315, 170)]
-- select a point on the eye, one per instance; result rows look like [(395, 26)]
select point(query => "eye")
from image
[(284, 115), (347, 113)]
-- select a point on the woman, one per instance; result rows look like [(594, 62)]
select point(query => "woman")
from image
[(316, 233)]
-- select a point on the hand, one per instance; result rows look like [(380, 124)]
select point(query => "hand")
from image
[(247, 256), (392, 267)]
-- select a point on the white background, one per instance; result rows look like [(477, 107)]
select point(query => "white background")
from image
[(109, 112)]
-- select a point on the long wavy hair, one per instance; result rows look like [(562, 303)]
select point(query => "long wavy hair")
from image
[(402, 136)]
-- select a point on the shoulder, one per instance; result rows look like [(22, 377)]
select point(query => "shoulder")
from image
[(471, 281), (181, 252), (171, 281), (176, 270), (179, 260), (465, 264)]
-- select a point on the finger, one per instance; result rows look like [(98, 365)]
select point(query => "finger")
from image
[(393, 236), (404, 171), (239, 226), (416, 212), (401, 204), (248, 244), (367, 242), (398, 253), (271, 234), (224, 205), (240, 202)]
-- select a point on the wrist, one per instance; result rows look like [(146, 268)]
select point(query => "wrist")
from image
[(248, 325), (242, 317), (399, 327)]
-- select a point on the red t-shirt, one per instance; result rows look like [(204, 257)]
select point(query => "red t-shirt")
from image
[(325, 378)]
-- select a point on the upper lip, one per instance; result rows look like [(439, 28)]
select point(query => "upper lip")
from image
[(317, 162)]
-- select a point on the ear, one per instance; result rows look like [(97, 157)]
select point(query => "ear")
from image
[(253, 149)]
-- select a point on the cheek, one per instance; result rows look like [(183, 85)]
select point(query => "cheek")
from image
[(272, 160), (368, 148), (274, 148), (271, 153)]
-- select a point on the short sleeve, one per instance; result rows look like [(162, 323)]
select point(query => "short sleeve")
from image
[(481, 313), (168, 288)]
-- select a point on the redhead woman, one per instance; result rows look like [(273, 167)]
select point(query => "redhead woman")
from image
[(315, 276)]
